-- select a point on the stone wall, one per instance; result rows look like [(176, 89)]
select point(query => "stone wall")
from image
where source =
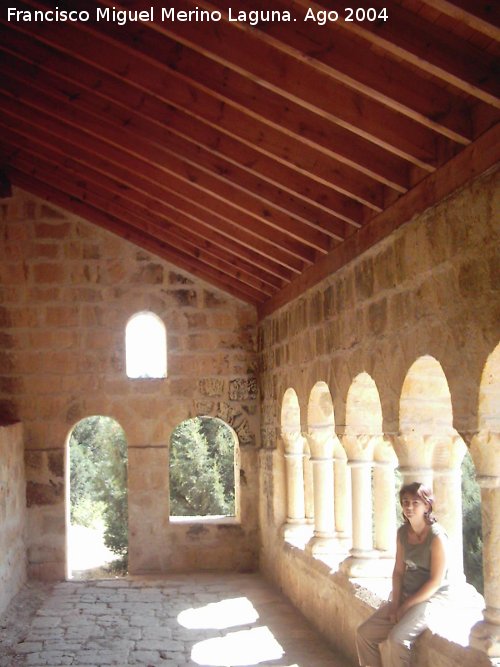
[(12, 512), (67, 290), (430, 290)]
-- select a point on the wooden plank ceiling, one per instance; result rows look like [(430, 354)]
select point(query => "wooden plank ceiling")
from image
[(249, 155)]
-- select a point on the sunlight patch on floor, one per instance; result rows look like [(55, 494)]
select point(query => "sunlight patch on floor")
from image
[(219, 615), (246, 647)]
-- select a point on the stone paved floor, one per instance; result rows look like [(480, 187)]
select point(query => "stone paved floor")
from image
[(223, 620)]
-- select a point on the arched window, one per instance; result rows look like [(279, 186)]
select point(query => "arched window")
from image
[(146, 346), (204, 471)]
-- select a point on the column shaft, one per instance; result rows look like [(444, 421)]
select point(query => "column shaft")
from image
[(385, 508), (308, 488), (343, 514), (362, 540), (485, 451), (324, 519), (295, 488), (322, 447), (447, 489)]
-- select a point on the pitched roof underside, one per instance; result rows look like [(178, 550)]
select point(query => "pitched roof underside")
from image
[(259, 158)]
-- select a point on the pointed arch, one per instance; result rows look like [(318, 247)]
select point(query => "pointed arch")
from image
[(363, 407), (425, 404), (290, 412), (320, 414), (489, 393)]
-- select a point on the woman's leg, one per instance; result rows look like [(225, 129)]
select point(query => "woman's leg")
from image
[(396, 650), (370, 635)]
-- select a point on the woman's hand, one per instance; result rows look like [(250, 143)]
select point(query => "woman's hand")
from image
[(400, 612), (393, 612)]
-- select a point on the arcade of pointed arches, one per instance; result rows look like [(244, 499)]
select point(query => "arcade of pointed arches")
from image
[(340, 489)]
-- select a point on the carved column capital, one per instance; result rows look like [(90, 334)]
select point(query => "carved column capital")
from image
[(449, 451), (294, 441), (414, 450), (485, 452), (360, 447), (322, 443), (384, 451)]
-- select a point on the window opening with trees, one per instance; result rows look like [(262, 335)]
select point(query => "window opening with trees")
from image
[(202, 468)]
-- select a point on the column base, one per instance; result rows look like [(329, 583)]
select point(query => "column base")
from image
[(343, 543), (320, 545), (486, 637), (368, 565), (297, 529)]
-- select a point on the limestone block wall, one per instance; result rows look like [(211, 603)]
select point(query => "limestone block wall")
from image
[(67, 290), (12, 512), (429, 290)]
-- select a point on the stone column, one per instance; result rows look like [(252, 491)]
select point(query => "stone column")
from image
[(385, 508), (449, 451), (485, 452), (384, 486), (343, 494), (294, 466), (361, 562), (308, 484), (321, 444), (362, 508)]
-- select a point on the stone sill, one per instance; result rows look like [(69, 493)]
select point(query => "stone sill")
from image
[(211, 520)]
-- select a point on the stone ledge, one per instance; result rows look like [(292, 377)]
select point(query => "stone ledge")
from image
[(216, 519), (445, 644)]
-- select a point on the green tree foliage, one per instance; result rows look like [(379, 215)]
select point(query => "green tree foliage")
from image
[(202, 468), (98, 479), (471, 525)]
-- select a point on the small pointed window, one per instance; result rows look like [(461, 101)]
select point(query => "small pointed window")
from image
[(146, 347)]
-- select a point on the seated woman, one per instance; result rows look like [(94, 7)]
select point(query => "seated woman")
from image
[(419, 585)]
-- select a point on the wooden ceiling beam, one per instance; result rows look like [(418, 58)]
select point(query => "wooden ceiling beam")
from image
[(162, 122), (431, 49), (79, 138), (167, 163), (39, 140), (293, 178), (329, 50), (178, 258), (22, 157), (64, 95), (480, 15), (259, 119), (293, 80)]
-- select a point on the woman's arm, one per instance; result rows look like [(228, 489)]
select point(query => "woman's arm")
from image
[(397, 581), (438, 569)]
